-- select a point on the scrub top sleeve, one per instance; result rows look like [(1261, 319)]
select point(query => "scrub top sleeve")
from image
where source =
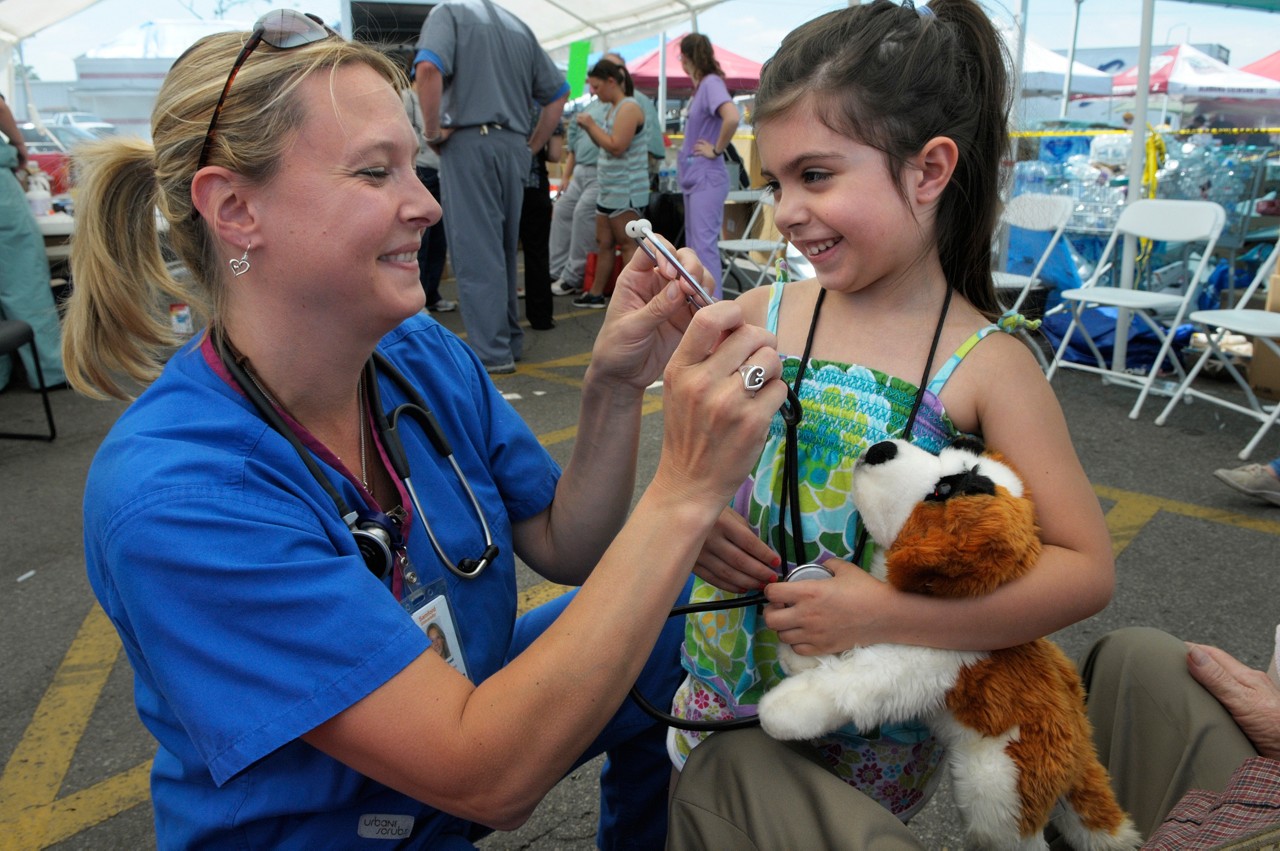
[(256, 628), (548, 83), (717, 92), (438, 40)]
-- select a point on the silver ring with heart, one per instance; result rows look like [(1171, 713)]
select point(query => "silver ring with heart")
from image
[(752, 377)]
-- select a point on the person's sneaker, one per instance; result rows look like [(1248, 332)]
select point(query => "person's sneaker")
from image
[(1256, 480), (560, 287), (442, 306), (595, 302), (501, 369)]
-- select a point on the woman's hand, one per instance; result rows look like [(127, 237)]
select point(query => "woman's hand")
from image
[(713, 427), (585, 120), (703, 148), (647, 316), (830, 616), (734, 559)]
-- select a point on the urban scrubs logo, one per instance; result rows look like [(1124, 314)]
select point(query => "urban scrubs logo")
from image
[(383, 826)]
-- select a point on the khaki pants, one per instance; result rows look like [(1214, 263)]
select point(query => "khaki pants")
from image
[(1157, 730)]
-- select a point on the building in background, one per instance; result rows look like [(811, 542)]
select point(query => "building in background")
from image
[(118, 80)]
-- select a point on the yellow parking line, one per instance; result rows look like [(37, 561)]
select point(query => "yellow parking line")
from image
[(39, 763)]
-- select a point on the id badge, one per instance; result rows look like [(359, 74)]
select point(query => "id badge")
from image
[(428, 605)]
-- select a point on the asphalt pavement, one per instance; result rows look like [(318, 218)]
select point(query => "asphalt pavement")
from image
[(1193, 557)]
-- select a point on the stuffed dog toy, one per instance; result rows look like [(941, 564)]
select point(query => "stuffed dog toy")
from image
[(1013, 721)]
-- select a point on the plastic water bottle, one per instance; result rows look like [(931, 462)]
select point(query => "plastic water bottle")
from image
[(667, 179), (39, 198)]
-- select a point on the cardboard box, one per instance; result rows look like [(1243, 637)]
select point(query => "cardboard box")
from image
[(1264, 369)]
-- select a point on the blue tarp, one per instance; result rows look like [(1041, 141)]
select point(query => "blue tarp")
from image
[(1100, 322), (1059, 272)]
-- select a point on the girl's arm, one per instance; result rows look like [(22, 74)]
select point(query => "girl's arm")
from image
[(1002, 389)]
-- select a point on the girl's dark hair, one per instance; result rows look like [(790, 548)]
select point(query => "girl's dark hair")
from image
[(608, 70), (893, 77), (696, 47)]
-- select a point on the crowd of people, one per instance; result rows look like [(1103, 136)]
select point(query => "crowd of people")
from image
[(610, 154), (323, 658)]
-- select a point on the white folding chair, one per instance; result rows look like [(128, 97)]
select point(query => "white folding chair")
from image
[(1263, 326), (1159, 220), (739, 257), (1035, 212)]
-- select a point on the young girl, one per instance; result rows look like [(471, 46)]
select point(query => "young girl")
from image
[(881, 129)]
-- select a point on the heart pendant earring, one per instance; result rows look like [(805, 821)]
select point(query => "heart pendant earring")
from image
[(239, 267)]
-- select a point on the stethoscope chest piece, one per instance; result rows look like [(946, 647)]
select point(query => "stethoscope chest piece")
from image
[(808, 571)]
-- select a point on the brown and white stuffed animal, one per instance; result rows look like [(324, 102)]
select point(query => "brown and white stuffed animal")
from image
[(1013, 721)]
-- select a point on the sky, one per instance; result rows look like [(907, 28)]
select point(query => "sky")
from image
[(752, 28)]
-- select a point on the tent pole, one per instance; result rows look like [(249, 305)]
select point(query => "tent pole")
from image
[(1135, 170), (1071, 62), (662, 80)]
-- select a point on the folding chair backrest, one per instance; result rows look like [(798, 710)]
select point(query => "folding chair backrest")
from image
[(1265, 268), (1039, 212), (759, 198), (1167, 220), (1172, 220)]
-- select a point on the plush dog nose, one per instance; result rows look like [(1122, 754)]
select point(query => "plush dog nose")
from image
[(885, 450)]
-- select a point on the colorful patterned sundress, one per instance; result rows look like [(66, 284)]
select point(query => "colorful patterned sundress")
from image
[(730, 655)]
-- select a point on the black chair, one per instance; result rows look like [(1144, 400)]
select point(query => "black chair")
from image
[(13, 336)]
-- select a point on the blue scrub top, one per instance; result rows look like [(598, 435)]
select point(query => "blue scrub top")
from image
[(249, 616)]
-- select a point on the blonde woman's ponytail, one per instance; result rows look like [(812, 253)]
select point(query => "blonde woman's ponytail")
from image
[(117, 319)]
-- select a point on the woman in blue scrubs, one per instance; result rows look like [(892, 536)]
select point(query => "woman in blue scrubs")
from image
[(285, 670)]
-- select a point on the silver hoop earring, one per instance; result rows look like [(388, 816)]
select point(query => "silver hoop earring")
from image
[(239, 267)]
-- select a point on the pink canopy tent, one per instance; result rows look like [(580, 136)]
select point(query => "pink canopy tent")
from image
[(740, 73), (1267, 66), (1188, 72)]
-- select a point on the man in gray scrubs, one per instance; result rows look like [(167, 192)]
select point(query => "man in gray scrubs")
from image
[(476, 70)]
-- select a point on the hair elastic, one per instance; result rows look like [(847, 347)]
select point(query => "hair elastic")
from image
[(925, 12)]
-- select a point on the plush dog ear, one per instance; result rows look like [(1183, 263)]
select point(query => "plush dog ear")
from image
[(965, 546)]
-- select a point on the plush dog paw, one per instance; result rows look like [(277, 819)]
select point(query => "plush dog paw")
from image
[(792, 662), (795, 710)]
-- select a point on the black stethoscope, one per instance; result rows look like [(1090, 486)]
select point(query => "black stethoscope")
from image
[(377, 535), (791, 411)]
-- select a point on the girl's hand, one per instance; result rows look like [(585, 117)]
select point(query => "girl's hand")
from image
[(734, 559), (646, 319), (713, 428), (584, 120), (830, 616)]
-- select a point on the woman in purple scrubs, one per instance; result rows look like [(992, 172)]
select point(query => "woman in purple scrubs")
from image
[(704, 180)]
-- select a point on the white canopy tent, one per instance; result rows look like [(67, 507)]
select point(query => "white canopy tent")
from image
[(1045, 72), (608, 23), (556, 23), (22, 18)]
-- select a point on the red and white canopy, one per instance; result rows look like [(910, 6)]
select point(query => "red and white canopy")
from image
[(1188, 72)]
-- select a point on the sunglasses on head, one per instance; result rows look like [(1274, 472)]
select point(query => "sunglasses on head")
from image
[(283, 29)]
